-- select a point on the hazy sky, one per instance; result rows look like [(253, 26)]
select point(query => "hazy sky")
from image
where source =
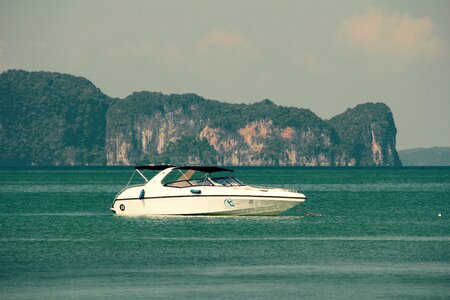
[(322, 55)]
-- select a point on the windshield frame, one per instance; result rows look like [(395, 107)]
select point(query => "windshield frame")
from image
[(187, 178)]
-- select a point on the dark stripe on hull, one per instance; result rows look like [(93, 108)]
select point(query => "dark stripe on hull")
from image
[(230, 196)]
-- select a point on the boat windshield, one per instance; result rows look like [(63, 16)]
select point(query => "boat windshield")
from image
[(226, 181), (188, 178)]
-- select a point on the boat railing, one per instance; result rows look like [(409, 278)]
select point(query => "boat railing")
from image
[(127, 187)]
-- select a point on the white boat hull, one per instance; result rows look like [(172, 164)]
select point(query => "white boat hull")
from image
[(203, 195), (205, 205)]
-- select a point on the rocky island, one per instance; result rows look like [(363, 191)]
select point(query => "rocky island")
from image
[(59, 119)]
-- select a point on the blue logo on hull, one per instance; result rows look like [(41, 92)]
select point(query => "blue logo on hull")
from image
[(229, 202)]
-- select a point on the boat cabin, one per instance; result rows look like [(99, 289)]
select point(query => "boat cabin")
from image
[(189, 176)]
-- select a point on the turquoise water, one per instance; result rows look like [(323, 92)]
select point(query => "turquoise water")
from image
[(363, 233)]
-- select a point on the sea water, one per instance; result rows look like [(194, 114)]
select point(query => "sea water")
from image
[(363, 233)]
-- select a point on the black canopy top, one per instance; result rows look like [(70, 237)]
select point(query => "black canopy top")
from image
[(155, 168), (206, 169)]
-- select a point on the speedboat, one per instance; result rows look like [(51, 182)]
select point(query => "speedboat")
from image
[(199, 190)]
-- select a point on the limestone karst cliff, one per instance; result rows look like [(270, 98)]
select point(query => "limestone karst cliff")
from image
[(367, 134), (58, 119), (149, 125), (152, 127)]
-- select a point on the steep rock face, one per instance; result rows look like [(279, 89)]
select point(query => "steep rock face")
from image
[(256, 134), (367, 136), (141, 127)]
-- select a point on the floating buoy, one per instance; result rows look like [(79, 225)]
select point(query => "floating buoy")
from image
[(439, 215)]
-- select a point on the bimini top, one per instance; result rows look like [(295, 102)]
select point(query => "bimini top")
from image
[(155, 168), (206, 169)]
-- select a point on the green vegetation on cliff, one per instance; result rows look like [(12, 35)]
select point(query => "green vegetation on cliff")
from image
[(51, 119), (228, 116), (188, 148), (59, 119)]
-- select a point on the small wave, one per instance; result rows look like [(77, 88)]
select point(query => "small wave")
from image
[(56, 214), (325, 238), (358, 187), (45, 240), (59, 188), (368, 269)]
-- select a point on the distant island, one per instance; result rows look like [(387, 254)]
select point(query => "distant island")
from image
[(435, 156), (58, 119)]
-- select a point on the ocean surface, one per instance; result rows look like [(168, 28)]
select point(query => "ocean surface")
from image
[(362, 234)]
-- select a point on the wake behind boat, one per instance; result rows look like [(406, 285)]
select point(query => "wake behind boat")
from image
[(196, 190)]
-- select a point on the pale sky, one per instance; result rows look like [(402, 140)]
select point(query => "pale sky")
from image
[(323, 55)]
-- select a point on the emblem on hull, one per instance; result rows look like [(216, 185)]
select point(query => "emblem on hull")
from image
[(229, 202)]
